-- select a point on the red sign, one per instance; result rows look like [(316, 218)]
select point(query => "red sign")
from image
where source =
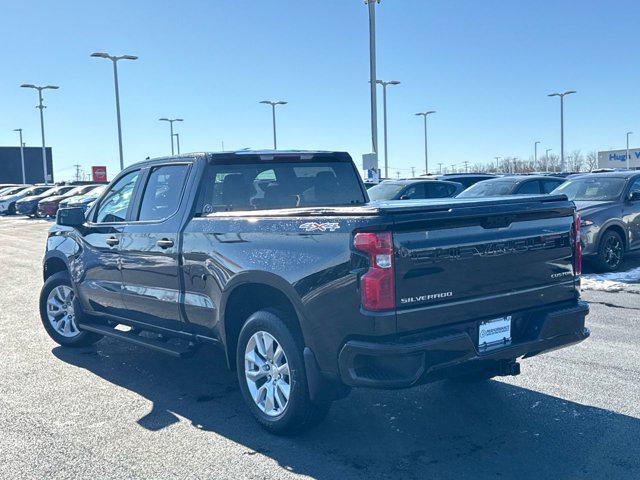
[(99, 174)]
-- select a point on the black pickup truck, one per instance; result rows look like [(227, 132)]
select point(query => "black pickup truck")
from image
[(279, 258)]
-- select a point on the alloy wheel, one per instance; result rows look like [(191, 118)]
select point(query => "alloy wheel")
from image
[(60, 312), (612, 252), (267, 373)]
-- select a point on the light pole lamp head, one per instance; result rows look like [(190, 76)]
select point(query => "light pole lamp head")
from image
[(178, 120), (17, 129), (100, 55), (129, 57), (51, 87), (629, 133), (569, 92), (163, 119), (28, 85)]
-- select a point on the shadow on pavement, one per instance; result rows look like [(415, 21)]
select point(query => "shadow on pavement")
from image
[(441, 430)]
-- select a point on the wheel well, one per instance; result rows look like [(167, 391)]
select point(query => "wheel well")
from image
[(620, 231), (249, 298), (53, 265)]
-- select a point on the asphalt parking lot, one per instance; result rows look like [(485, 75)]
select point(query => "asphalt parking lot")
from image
[(118, 411)]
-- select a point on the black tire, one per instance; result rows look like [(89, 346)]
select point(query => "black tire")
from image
[(300, 413), (11, 210), (82, 339), (610, 252)]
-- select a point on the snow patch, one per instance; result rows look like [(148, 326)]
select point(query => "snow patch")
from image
[(628, 281)]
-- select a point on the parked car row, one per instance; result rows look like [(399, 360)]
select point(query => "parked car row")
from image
[(609, 203), (41, 200)]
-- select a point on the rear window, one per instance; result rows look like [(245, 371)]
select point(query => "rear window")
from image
[(488, 189), (279, 185), (385, 191)]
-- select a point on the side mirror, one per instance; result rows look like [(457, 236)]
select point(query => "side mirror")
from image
[(70, 217), (634, 196)]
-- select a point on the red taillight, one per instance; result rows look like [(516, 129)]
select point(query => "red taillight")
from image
[(577, 245), (377, 285)]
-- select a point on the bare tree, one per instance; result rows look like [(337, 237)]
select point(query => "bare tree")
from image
[(577, 160), (592, 160)]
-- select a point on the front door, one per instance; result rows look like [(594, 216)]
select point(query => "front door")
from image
[(150, 248), (100, 281), (631, 214)]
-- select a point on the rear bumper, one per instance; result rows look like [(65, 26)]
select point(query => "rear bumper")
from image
[(425, 357), (47, 209)]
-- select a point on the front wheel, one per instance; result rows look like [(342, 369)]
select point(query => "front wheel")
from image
[(610, 252), (272, 376), (59, 311)]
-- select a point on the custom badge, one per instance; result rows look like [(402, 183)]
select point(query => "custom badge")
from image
[(320, 226)]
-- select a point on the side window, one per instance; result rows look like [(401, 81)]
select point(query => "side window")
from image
[(162, 194), (635, 186), (439, 190), (114, 205), (528, 188), (549, 186), (414, 191)]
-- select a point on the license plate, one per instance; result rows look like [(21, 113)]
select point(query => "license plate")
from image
[(494, 333)]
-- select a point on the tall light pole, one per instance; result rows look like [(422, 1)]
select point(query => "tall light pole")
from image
[(535, 154), (177, 135), (171, 120), (562, 95), (384, 108), (628, 158), (497, 163), (114, 60), (24, 175), (42, 107), (273, 104), (426, 150), (371, 4), (546, 156)]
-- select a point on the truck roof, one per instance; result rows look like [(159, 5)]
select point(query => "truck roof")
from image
[(250, 156)]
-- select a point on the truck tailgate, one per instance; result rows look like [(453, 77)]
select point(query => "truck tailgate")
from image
[(480, 259)]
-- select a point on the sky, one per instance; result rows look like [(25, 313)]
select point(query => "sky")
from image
[(486, 67)]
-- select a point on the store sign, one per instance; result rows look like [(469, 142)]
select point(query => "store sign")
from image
[(99, 174)]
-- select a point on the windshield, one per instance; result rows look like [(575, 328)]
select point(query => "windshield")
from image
[(385, 191), (12, 190), (592, 189), (488, 188), (279, 185)]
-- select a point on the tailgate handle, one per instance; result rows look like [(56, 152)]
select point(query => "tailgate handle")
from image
[(501, 221)]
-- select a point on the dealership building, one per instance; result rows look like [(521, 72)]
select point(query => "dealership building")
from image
[(11, 165), (618, 159)]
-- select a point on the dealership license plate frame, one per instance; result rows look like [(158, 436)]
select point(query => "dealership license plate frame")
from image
[(488, 339)]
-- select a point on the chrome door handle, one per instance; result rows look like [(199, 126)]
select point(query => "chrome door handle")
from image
[(165, 243), (112, 241)]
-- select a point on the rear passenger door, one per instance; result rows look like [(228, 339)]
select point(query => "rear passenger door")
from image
[(150, 246)]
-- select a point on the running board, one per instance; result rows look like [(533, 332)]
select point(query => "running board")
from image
[(134, 338)]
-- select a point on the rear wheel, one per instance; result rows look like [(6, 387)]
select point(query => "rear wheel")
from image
[(11, 210), (272, 376), (60, 310), (610, 252)]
